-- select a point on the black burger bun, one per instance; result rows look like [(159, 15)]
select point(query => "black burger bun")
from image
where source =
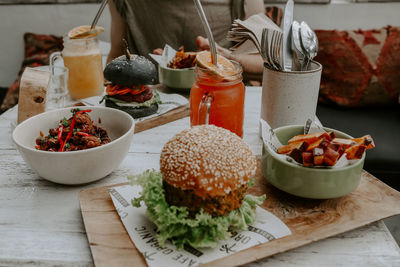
[(136, 112), (136, 71)]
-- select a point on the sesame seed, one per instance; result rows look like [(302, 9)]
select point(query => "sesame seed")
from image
[(207, 158)]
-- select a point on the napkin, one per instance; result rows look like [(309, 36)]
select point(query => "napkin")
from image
[(166, 57), (248, 33), (142, 232)]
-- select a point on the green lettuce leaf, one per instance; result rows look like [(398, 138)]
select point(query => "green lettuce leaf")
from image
[(174, 224)]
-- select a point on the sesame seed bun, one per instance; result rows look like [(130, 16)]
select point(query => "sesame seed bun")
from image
[(208, 161)]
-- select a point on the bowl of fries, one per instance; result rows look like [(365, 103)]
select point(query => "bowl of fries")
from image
[(319, 166), (179, 73)]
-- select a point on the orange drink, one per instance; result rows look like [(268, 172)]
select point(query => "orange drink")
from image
[(85, 75), (83, 59), (218, 100)]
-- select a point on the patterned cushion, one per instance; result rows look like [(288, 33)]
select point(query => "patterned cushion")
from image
[(360, 68), (38, 49), (275, 14)]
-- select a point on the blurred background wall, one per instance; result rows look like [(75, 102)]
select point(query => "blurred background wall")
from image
[(58, 16)]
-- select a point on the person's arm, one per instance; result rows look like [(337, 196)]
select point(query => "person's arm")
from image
[(252, 64), (254, 7), (118, 28)]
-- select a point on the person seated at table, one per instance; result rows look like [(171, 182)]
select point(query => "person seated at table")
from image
[(149, 25), (253, 64)]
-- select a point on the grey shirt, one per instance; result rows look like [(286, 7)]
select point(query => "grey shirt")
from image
[(153, 23)]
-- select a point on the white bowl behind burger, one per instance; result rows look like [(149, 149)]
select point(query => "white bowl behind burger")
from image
[(75, 167)]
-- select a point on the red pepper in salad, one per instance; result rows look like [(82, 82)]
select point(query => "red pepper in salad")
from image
[(83, 134), (73, 134), (71, 128)]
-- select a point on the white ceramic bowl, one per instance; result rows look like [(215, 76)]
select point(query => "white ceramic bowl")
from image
[(75, 167)]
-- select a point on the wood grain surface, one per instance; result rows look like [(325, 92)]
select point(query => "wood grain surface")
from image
[(309, 221), (172, 115)]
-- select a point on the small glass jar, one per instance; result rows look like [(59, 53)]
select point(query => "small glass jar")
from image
[(218, 101), (83, 59)]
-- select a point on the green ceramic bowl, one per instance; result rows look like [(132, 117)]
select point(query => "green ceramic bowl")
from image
[(316, 183), (176, 78)]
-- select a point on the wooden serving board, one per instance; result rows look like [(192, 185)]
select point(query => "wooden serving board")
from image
[(309, 220), (172, 115)]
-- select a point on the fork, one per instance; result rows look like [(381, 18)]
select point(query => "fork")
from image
[(264, 47), (276, 50)]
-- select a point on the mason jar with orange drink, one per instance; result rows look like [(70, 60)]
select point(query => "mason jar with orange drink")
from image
[(217, 96), (83, 59)]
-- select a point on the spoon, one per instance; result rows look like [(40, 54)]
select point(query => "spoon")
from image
[(308, 41), (86, 31), (207, 29), (98, 14), (296, 46)]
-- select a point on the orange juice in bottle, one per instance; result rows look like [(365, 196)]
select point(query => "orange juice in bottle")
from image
[(217, 96)]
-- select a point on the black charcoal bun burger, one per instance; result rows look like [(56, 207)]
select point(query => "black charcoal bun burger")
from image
[(129, 77)]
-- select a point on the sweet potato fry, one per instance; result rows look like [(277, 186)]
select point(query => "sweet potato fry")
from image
[(342, 141), (340, 148), (296, 155), (289, 147), (319, 149), (331, 135), (308, 138), (319, 160), (307, 158), (355, 152), (334, 146), (322, 142), (318, 154), (330, 157), (366, 140), (183, 59)]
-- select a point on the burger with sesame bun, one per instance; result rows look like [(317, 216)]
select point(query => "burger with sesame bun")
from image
[(128, 90), (199, 195)]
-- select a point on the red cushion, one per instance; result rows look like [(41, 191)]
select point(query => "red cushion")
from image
[(360, 68)]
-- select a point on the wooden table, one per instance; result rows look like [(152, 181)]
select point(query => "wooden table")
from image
[(41, 223)]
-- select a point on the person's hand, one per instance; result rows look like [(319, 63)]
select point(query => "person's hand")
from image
[(158, 51), (250, 63), (203, 44)]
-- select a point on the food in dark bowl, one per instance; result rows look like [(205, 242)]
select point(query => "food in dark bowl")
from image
[(199, 195), (129, 77), (76, 133)]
